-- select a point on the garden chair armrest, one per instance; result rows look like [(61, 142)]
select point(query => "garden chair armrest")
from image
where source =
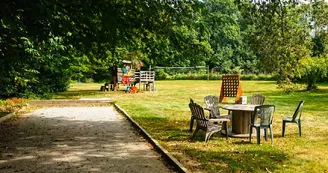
[(219, 120)]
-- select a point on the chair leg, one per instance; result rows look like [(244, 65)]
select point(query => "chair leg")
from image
[(258, 134), (283, 128), (299, 128), (266, 134), (208, 136), (271, 134), (196, 130), (212, 115), (226, 129), (191, 123), (250, 133)]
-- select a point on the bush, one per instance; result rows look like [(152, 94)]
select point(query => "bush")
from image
[(248, 77), (161, 75), (87, 80), (12, 104), (288, 86)]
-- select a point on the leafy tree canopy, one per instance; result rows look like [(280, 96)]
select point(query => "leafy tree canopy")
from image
[(43, 42)]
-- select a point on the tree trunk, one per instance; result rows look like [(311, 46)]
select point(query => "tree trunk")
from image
[(311, 82)]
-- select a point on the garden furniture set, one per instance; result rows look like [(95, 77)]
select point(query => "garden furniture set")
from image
[(244, 118)]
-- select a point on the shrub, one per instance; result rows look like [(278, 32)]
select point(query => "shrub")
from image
[(288, 86), (161, 75), (12, 104)]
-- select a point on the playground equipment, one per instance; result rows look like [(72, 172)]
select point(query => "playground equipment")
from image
[(147, 79), (128, 77), (230, 88)]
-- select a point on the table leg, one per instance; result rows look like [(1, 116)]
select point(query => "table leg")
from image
[(240, 122)]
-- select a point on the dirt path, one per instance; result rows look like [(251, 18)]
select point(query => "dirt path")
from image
[(71, 139)]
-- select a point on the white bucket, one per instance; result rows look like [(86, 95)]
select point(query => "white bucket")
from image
[(243, 99)]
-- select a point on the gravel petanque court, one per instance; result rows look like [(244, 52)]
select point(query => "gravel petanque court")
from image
[(75, 139)]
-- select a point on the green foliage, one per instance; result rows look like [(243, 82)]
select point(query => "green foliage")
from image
[(12, 104), (46, 43), (220, 22), (162, 75), (40, 68), (278, 32), (314, 68), (288, 87)]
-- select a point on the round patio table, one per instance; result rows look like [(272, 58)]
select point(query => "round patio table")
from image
[(241, 117)]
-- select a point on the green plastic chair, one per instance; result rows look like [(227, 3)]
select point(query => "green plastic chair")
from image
[(267, 112), (295, 119)]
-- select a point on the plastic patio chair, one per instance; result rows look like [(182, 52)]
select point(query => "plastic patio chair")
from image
[(204, 124), (267, 112), (295, 119)]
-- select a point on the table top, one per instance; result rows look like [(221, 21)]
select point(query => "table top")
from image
[(239, 107)]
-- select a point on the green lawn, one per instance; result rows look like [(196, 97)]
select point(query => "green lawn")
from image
[(165, 115)]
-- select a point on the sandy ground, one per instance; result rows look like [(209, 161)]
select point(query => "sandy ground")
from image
[(75, 139)]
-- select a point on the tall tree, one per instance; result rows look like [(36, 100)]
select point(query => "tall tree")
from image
[(316, 66), (220, 21), (278, 34), (41, 39)]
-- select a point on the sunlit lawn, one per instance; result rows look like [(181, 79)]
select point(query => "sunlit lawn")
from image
[(165, 115)]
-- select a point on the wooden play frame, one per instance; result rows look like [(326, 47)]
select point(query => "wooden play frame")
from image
[(230, 88)]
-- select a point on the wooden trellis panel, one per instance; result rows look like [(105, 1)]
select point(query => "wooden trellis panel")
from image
[(230, 87)]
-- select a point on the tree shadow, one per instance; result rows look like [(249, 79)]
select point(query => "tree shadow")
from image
[(252, 160)]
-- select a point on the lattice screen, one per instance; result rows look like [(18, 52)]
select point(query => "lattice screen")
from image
[(230, 87)]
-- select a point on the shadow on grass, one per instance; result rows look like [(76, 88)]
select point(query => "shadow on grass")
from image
[(162, 129), (252, 160), (249, 160)]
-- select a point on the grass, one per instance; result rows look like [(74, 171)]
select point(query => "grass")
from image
[(165, 115)]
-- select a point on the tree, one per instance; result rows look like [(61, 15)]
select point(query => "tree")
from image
[(43, 42), (316, 66), (220, 23), (278, 33)]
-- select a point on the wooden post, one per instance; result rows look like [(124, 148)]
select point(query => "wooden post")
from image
[(208, 73), (114, 74)]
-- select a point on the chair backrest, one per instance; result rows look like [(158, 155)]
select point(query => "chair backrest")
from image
[(191, 101), (212, 102), (257, 99), (198, 113), (266, 112), (298, 111)]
